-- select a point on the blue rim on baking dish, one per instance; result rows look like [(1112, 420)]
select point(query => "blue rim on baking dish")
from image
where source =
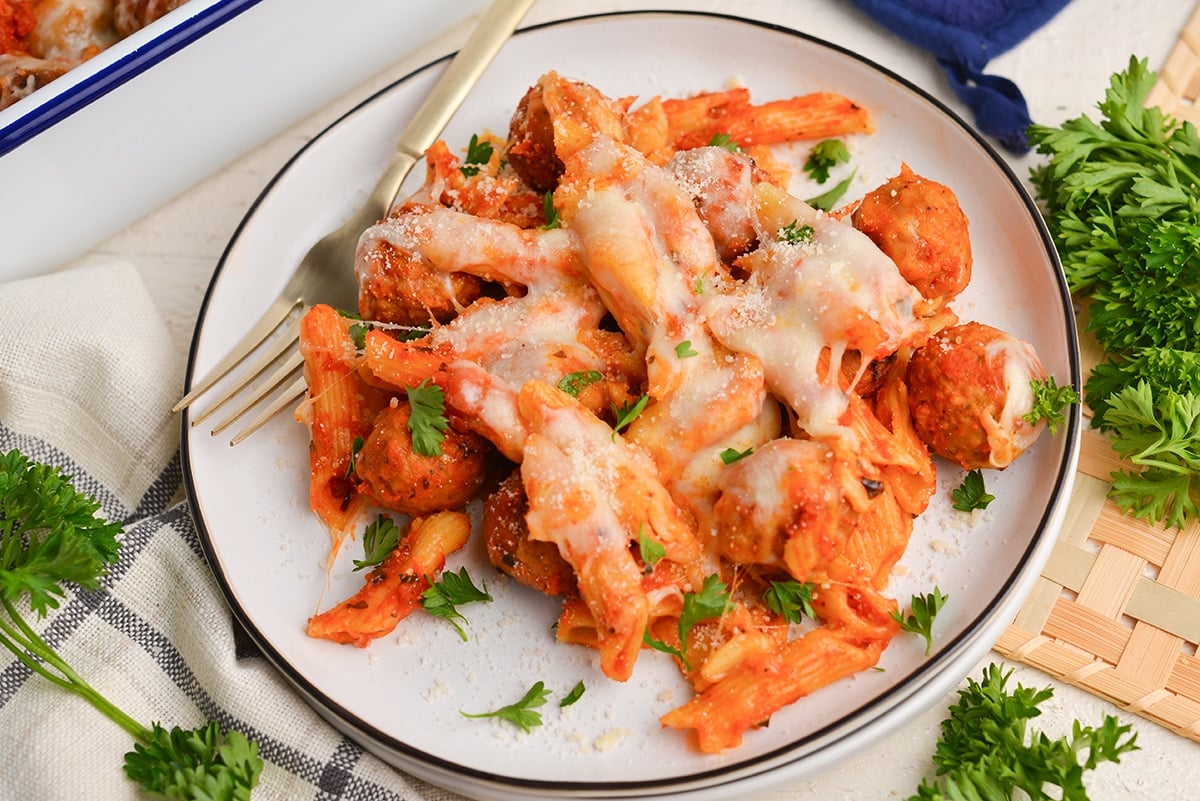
[(113, 67), (302, 201)]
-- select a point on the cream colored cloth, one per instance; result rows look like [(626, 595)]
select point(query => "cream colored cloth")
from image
[(88, 373)]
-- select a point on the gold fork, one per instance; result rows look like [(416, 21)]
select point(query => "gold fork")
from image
[(324, 275)]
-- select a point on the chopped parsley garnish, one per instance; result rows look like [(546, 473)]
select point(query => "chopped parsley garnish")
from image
[(824, 155), (827, 200), (355, 447), (627, 412), (971, 493), (724, 140), (650, 549), (479, 152), (549, 212), (711, 601), (427, 418), (790, 599), (924, 610), (380, 538), (573, 696), (574, 383), (443, 598), (731, 455), (684, 350), (794, 234), (1049, 399), (521, 714)]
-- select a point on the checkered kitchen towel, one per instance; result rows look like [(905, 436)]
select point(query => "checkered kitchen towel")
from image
[(88, 372)]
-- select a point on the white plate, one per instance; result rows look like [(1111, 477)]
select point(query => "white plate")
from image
[(401, 698)]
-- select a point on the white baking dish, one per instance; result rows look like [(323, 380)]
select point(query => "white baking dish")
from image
[(123, 133)]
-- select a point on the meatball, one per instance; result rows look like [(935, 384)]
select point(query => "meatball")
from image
[(969, 390), (531, 143), (532, 563), (920, 226), (395, 477)]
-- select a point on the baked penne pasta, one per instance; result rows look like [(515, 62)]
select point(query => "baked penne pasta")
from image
[(696, 382)]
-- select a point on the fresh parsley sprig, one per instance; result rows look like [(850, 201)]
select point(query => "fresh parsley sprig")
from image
[(1049, 400), (987, 751), (825, 155), (427, 421), (971, 494), (443, 598), (479, 153), (791, 599), (380, 538), (627, 412), (712, 600), (1121, 197), (923, 611), (523, 714), (1159, 433), (50, 536)]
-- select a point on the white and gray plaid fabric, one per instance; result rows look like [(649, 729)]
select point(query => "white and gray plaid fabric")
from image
[(87, 375)]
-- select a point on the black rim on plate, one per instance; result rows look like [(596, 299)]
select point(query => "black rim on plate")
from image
[(803, 748)]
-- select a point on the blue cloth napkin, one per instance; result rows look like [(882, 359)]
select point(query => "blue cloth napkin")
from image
[(965, 35)]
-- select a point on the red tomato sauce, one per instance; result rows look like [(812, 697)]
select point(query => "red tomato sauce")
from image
[(16, 21)]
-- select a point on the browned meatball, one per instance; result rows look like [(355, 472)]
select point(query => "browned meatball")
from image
[(395, 477), (531, 143), (534, 564), (920, 226), (969, 389)]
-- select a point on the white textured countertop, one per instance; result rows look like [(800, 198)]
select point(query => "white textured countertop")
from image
[(1063, 70)]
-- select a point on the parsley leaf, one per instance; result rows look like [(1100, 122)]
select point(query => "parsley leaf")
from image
[(790, 599), (827, 200), (1159, 433), (925, 609), (731, 455), (520, 714), (726, 141), (379, 540), (50, 536), (443, 597), (574, 383), (549, 212), (628, 412), (684, 350), (971, 494), (1049, 399), (479, 152), (355, 447), (357, 331), (986, 751), (427, 419), (650, 549), (573, 696), (712, 600), (794, 234), (824, 155)]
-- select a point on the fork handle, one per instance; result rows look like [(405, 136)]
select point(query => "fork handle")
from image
[(431, 118)]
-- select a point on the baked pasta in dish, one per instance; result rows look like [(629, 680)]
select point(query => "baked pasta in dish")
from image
[(667, 378), (42, 39)]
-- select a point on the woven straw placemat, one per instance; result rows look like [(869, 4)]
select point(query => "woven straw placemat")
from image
[(1117, 608)]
